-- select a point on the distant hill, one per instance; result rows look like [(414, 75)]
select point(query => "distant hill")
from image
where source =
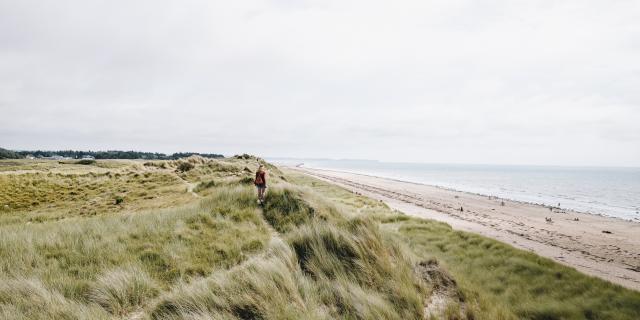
[(8, 154), (111, 154)]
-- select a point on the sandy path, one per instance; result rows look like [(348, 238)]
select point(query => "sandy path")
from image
[(581, 244)]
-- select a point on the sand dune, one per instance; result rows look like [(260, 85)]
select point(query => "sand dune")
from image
[(604, 247)]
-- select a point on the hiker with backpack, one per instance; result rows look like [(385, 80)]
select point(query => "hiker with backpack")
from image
[(261, 183)]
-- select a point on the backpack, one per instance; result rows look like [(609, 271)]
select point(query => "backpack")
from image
[(259, 179)]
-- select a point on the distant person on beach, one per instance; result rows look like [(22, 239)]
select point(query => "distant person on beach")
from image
[(261, 183)]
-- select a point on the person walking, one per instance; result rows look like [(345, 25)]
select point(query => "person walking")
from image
[(261, 183)]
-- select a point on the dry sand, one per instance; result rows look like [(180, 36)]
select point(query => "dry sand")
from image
[(581, 244)]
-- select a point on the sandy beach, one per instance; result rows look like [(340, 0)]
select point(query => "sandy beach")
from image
[(604, 247)]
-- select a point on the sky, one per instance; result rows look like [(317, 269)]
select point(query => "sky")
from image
[(552, 82)]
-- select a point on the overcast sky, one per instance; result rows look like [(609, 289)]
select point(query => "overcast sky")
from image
[(507, 82)]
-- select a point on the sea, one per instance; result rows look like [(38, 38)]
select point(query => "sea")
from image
[(608, 191)]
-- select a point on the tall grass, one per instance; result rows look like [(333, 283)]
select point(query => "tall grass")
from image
[(38, 197), (496, 281), (83, 261), (522, 284), (30, 298), (268, 287), (122, 289), (330, 254), (357, 272), (324, 272), (288, 206)]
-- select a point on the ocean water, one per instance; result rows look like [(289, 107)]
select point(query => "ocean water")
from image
[(597, 190)]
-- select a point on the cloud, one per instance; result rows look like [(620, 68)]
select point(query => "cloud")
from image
[(431, 81)]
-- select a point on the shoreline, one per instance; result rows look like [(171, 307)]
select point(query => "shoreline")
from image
[(598, 245), (568, 210)]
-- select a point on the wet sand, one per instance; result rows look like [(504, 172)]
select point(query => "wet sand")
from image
[(604, 247)]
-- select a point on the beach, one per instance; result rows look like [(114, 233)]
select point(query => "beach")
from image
[(604, 247)]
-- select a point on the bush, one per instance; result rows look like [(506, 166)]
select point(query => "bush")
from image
[(86, 162), (244, 156), (119, 199), (185, 166)]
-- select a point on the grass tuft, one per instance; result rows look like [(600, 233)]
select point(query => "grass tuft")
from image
[(285, 208), (123, 289), (30, 298)]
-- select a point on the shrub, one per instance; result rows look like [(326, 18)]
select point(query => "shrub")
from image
[(185, 166), (244, 156), (86, 162), (119, 199)]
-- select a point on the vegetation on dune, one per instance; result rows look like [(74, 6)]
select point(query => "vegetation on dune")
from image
[(321, 272), (286, 209), (85, 261), (86, 162), (47, 190), (204, 186), (202, 248), (120, 290), (329, 266), (357, 271), (495, 280), (41, 196), (525, 285), (207, 259)]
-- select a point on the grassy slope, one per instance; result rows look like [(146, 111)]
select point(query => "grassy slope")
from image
[(315, 251), (70, 265), (501, 282), (218, 255)]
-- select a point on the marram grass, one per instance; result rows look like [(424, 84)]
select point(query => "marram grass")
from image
[(194, 244)]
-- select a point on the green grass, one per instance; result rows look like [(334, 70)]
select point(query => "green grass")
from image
[(497, 280), (313, 251), (38, 196), (321, 272), (527, 285), (72, 265), (70, 257), (328, 266), (216, 256)]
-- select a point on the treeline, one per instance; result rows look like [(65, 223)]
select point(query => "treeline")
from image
[(111, 154), (8, 154)]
